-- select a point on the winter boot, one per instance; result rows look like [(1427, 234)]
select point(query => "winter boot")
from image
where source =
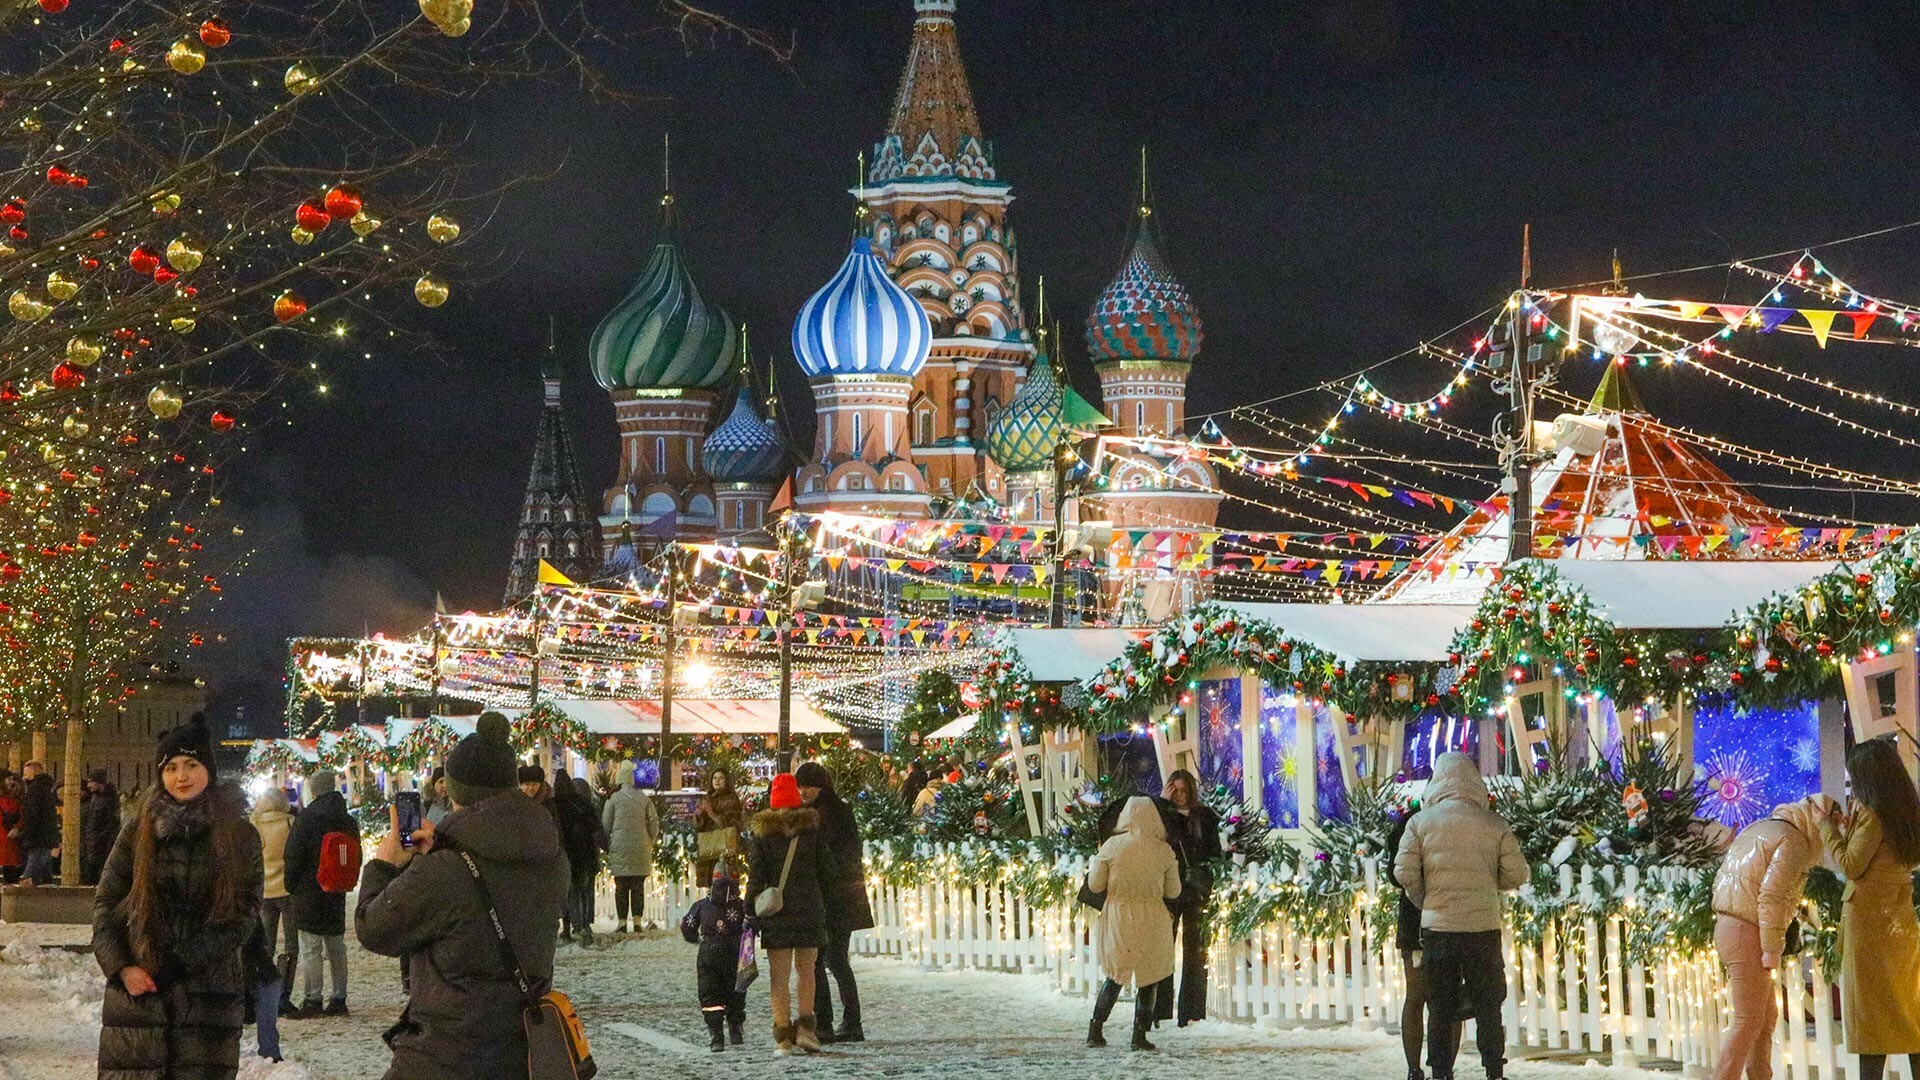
[(1416, 1074), (1140, 1038), (783, 1035), (284, 963), (1096, 1040), (336, 1007), (735, 1034), (807, 1036), (1143, 1019), (307, 1010), (716, 1033), (586, 936), (850, 1031)]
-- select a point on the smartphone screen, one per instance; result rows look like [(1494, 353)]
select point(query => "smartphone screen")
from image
[(408, 805)]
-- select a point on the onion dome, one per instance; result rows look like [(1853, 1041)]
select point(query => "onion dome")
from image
[(861, 323), (663, 336), (744, 449), (1145, 314), (1022, 437)]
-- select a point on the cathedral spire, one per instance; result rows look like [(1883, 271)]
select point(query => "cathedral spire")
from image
[(557, 521), (935, 131), (667, 215)]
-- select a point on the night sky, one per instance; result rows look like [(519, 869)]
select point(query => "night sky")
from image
[(1334, 181)]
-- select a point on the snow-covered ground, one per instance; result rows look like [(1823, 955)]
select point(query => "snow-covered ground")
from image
[(636, 997)]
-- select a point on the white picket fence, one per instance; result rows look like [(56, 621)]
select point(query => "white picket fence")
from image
[(1576, 998)]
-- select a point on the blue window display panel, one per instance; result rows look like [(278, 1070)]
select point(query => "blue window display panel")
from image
[(1603, 729), (1330, 783), (1221, 764), (1752, 760), (1433, 733), (1127, 755), (1279, 769)]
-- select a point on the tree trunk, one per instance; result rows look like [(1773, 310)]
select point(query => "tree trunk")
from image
[(70, 801), (13, 757), (39, 747)]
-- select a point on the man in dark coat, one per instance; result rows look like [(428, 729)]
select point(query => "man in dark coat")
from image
[(99, 825), (583, 837), (462, 1020), (39, 823), (916, 782), (318, 915)]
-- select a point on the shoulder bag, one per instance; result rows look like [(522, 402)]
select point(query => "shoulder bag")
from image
[(556, 1041), (772, 899)]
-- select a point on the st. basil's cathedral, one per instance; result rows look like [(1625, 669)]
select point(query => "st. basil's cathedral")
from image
[(933, 392)]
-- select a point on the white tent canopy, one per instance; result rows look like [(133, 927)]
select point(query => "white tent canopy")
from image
[(1391, 632), (694, 716), (1683, 594), (958, 728), (1072, 655)]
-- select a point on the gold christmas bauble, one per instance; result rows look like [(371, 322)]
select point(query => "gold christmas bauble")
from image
[(186, 57), (74, 427), (27, 307), (82, 351), (443, 229), (61, 287), (182, 324), (163, 402), (300, 78), (457, 28), (301, 236), (363, 223), (185, 254), (166, 203), (430, 290)]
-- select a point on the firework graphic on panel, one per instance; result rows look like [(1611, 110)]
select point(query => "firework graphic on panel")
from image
[(1220, 752), (1431, 734), (1752, 760), (1279, 779), (1330, 785)]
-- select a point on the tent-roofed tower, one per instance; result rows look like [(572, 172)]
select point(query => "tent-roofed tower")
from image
[(936, 210), (1620, 485), (557, 521), (665, 355)]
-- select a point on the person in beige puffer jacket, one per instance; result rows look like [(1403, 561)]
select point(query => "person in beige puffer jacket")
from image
[(1455, 860), (1755, 895), (272, 819)]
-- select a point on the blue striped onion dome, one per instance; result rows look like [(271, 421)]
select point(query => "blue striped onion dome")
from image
[(861, 323), (663, 336), (1145, 314), (744, 449)]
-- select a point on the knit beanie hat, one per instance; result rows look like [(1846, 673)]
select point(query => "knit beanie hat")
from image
[(785, 793), (191, 739), (530, 774), (482, 764)]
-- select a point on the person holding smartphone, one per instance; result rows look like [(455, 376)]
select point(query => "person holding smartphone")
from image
[(1877, 845)]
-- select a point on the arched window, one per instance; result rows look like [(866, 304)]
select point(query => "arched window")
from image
[(1139, 418), (740, 515), (659, 455), (858, 430)]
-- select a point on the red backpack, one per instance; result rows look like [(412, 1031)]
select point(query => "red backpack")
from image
[(339, 862)]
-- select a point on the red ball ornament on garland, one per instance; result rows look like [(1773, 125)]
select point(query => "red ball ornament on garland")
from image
[(1824, 647), (343, 201), (53, 7), (1591, 656), (215, 33), (1699, 659), (1629, 661), (1774, 665), (13, 211), (11, 572), (1886, 615), (289, 306), (1737, 679), (68, 377), (1863, 580), (312, 216), (143, 260), (220, 422)]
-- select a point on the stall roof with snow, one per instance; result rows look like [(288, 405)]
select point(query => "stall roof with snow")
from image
[(1072, 655), (1683, 594), (1409, 633)]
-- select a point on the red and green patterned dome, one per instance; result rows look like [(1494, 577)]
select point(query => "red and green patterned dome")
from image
[(1145, 314)]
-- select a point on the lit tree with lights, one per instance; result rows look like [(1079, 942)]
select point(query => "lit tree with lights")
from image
[(195, 198)]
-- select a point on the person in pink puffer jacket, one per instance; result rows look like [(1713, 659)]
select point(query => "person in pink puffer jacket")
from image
[(1755, 894)]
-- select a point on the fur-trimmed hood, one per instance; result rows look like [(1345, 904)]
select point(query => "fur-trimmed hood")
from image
[(786, 822)]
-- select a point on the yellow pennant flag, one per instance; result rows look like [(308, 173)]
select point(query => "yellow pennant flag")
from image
[(1821, 322), (551, 576)]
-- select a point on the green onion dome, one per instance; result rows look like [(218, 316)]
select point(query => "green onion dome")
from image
[(663, 336)]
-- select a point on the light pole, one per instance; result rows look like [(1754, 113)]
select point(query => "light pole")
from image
[(670, 578), (789, 549)]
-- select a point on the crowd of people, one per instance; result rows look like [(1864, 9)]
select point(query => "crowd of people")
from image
[(30, 825), (210, 915)]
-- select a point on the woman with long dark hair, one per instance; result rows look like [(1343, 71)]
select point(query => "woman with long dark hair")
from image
[(177, 899), (848, 908), (1877, 846), (1194, 831), (717, 819)]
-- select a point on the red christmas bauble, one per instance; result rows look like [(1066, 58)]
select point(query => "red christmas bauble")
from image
[(1886, 615), (1863, 580), (53, 7), (1737, 679), (288, 306), (1629, 660), (312, 217), (14, 211), (1824, 647), (220, 421), (143, 260), (68, 377), (1774, 664), (1591, 656), (343, 201), (214, 33)]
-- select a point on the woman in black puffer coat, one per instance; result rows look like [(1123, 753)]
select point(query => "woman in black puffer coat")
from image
[(177, 899), (793, 936), (848, 908)]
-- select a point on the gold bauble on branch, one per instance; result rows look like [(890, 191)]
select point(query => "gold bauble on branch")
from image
[(186, 57), (61, 287), (301, 236), (185, 254), (74, 427), (82, 351), (301, 78), (166, 202), (457, 28), (363, 223), (430, 290), (443, 229), (163, 402), (50, 453), (27, 307), (182, 324)]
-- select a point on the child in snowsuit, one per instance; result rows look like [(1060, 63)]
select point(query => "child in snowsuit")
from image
[(716, 923)]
